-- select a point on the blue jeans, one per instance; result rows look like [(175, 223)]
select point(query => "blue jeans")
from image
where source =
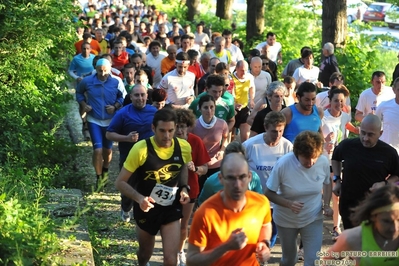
[(312, 238)]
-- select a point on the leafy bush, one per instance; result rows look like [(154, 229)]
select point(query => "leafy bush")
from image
[(26, 236), (36, 39), (362, 55)]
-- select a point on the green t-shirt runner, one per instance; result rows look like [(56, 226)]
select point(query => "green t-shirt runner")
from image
[(224, 106)]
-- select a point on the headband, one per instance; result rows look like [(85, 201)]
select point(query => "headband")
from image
[(183, 62), (103, 62), (387, 208)]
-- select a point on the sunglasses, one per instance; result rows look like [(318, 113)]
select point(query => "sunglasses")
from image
[(265, 64), (226, 85)]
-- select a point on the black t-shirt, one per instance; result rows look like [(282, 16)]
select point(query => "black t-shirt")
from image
[(257, 125), (327, 68), (364, 166), (202, 83)]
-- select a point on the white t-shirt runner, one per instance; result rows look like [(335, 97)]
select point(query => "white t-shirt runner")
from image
[(262, 157)]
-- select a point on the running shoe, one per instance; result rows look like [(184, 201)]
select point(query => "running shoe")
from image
[(335, 234), (125, 216), (301, 254), (181, 258)]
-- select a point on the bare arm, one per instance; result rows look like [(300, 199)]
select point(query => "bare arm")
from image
[(337, 168), (391, 180), (131, 137), (349, 240), (202, 169), (265, 232), (278, 199), (184, 175), (260, 104), (126, 189), (197, 256), (253, 133), (280, 58), (321, 112), (231, 123), (327, 193), (359, 116), (288, 114), (251, 94)]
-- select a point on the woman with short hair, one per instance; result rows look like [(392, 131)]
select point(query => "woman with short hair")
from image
[(302, 178)]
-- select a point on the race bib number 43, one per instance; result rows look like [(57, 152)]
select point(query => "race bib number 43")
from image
[(164, 195)]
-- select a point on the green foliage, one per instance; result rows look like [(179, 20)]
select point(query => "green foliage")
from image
[(36, 38), (295, 28), (26, 235), (362, 55)]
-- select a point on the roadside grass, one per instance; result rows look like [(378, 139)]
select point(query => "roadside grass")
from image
[(113, 241)]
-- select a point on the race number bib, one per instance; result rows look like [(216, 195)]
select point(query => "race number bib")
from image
[(164, 195)]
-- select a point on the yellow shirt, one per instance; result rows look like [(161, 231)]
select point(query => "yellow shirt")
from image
[(241, 90), (104, 46), (138, 154)]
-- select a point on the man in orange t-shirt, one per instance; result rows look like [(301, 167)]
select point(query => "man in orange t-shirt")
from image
[(233, 227), (95, 46), (169, 62)]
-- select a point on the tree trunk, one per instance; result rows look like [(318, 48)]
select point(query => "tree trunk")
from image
[(224, 8), (255, 18), (192, 6), (334, 22)]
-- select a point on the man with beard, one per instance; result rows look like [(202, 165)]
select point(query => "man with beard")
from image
[(217, 235), (369, 164), (139, 62), (304, 115), (131, 124), (128, 72), (179, 83)]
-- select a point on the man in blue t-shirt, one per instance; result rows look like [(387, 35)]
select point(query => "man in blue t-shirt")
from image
[(131, 124)]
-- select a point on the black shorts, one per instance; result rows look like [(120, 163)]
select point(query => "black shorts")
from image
[(152, 220), (241, 117)]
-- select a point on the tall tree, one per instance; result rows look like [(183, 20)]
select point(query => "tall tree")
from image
[(334, 22), (255, 18), (192, 6), (224, 9)]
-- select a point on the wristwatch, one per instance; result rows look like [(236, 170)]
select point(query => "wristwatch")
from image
[(186, 186), (336, 178), (267, 242)]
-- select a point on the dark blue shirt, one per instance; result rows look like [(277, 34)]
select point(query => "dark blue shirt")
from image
[(129, 119)]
